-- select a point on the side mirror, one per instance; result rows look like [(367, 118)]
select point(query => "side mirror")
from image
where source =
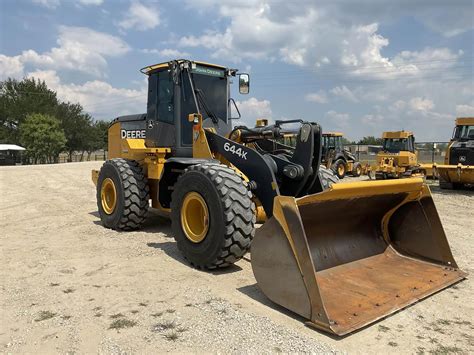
[(244, 83)]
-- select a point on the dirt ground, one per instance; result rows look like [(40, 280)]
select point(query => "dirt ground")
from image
[(68, 285)]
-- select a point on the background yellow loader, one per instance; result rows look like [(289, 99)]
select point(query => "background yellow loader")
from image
[(340, 255)]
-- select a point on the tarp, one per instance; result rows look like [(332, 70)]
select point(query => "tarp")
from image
[(10, 147)]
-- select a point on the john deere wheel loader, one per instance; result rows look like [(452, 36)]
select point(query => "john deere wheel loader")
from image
[(458, 167), (398, 158), (389, 250)]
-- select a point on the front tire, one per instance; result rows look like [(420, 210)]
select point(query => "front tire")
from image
[(339, 168), (122, 194), (220, 197), (357, 169)]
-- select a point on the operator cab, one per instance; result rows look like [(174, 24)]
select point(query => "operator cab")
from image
[(396, 142), (181, 87)]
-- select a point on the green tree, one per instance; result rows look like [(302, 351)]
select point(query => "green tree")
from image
[(371, 140), (43, 137), (18, 99), (346, 141), (97, 137)]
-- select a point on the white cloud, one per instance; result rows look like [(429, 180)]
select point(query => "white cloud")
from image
[(421, 104), (372, 119), (344, 92), (465, 110), (140, 17), (79, 48), (10, 67), (97, 97), (167, 52), (252, 109), (340, 120), (50, 4), (91, 2), (319, 97)]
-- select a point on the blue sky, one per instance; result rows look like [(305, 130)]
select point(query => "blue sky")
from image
[(360, 67)]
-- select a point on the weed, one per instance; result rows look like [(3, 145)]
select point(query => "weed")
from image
[(165, 325), (97, 286), (173, 336), (53, 284), (182, 329), (442, 350), (444, 321), (188, 305), (43, 315), (98, 308), (420, 350), (170, 310), (98, 314), (69, 290), (115, 316), (392, 343), (134, 311), (143, 304), (66, 317), (157, 314), (122, 323), (277, 349), (383, 328)]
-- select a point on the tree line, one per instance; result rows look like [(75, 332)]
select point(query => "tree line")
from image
[(31, 115)]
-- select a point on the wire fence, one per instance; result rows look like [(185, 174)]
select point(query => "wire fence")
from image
[(428, 152), (82, 156)]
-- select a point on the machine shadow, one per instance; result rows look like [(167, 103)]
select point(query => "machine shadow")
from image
[(171, 249)]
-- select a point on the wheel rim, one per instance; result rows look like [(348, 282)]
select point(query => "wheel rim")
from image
[(359, 170), (340, 169), (194, 217), (108, 196)]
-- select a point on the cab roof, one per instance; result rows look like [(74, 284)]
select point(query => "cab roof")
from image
[(333, 134), (464, 121), (154, 67), (397, 134)]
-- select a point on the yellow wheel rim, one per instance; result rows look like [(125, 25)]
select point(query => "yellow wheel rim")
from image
[(340, 169), (359, 170), (108, 196), (194, 217)]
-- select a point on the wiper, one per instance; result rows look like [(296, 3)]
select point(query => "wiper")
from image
[(203, 103)]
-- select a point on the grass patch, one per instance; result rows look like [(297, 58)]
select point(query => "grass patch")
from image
[(134, 311), (115, 316), (392, 343), (143, 304), (53, 284), (44, 315), (157, 314), (443, 322), (188, 305), (442, 350), (69, 290), (383, 328), (122, 323), (66, 317), (165, 325), (182, 329), (97, 286), (172, 336), (170, 310)]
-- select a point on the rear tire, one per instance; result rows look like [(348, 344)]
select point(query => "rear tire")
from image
[(339, 168), (231, 215), (131, 194), (357, 169)]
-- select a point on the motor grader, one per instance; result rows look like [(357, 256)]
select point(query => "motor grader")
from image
[(398, 158), (458, 167), (215, 179)]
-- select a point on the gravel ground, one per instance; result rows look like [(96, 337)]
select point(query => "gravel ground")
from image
[(68, 285)]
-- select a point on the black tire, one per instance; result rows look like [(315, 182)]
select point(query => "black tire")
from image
[(132, 193), (327, 177), (339, 168), (231, 215), (357, 169)]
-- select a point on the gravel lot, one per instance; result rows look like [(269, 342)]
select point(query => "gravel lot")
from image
[(68, 285)]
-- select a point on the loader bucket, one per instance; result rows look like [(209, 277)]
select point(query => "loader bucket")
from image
[(353, 254)]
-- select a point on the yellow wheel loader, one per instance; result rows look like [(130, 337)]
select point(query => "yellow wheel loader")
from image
[(216, 179), (398, 158), (458, 167)]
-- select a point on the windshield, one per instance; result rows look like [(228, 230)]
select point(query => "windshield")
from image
[(464, 132), (394, 145)]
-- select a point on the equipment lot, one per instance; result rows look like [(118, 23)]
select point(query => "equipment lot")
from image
[(70, 285)]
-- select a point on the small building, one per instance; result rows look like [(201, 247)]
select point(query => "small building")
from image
[(10, 154)]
